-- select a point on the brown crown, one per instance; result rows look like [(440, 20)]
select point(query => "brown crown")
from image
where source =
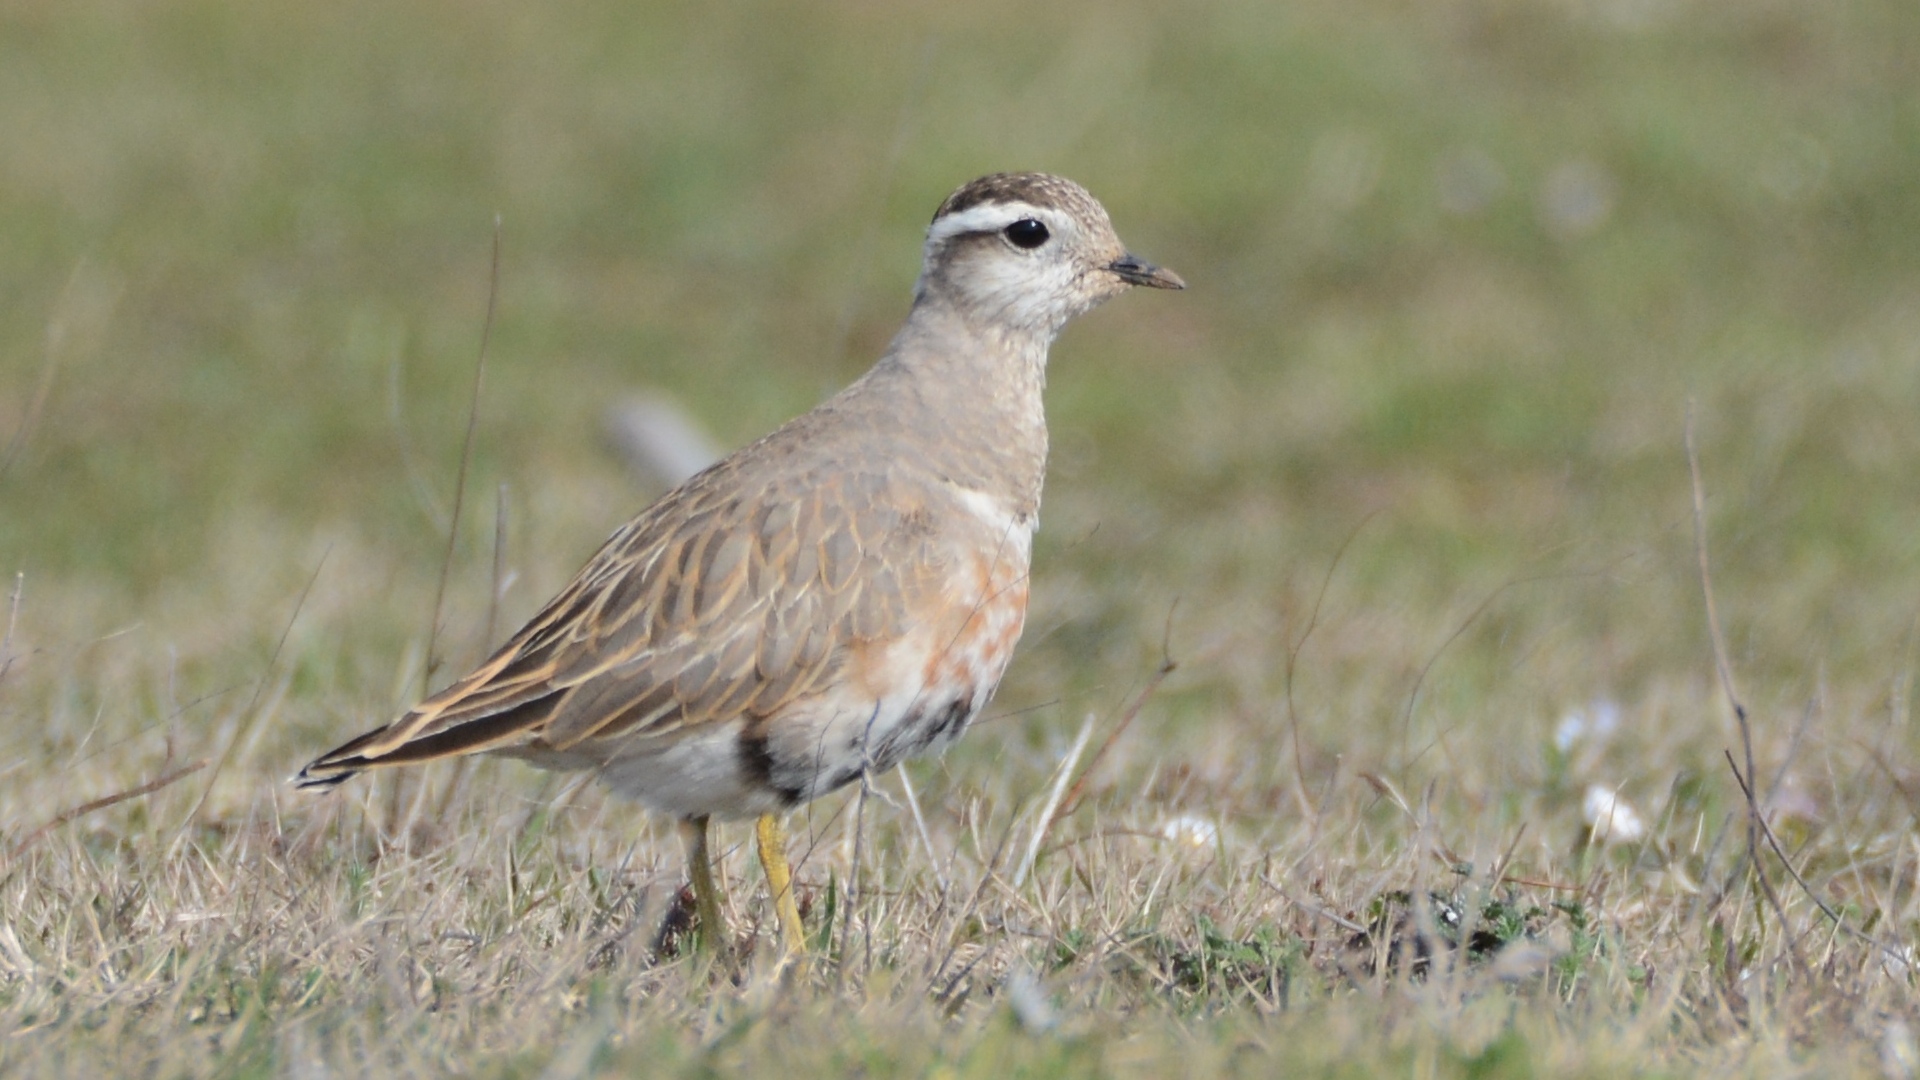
[(1036, 189)]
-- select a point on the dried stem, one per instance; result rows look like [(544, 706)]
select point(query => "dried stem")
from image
[(49, 367), (853, 892), (252, 714), (1773, 842), (84, 809), (13, 618), (466, 461), (1044, 823), (1166, 668), (1293, 659), (920, 825), (1755, 821)]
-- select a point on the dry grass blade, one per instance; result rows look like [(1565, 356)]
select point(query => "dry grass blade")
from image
[(1293, 660), (853, 890), (49, 367), (1755, 820), (1433, 658), (1773, 842), (1167, 665), (466, 462), (251, 715), (1044, 823), (920, 828), (84, 809), (13, 620), (1315, 910)]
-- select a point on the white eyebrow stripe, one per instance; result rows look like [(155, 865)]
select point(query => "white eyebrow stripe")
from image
[(986, 217)]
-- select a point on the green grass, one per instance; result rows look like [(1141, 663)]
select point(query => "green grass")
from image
[(1404, 464)]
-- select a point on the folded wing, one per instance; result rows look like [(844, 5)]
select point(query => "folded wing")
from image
[(720, 601)]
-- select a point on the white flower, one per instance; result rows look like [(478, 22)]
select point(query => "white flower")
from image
[(1612, 820), (1029, 1002), (1596, 722), (1189, 831)]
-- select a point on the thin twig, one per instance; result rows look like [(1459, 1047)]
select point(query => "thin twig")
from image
[(1793, 746), (1012, 713), (1773, 842), (1312, 909), (1044, 821), (853, 887), (1293, 657), (1754, 818), (1498, 871), (251, 715), (920, 824), (1413, 695), (84, 809), (451, 788), (987, 875), (466, 460), (1535, 883), (1720, 661), (1166, 668), (1907, 795), (49, 366), (13, 618), (13, 607)]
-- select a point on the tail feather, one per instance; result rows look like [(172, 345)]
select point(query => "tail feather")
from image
[(475, 736)]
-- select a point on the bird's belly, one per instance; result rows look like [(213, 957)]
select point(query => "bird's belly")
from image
[(910, 696), (895, 699), (735, 770), (700, 773)]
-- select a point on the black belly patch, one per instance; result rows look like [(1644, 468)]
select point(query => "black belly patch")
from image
[(827, 769), (920, 730), (757, 762), (955, 720)]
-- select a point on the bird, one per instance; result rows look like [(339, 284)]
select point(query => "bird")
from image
[(828, 601)]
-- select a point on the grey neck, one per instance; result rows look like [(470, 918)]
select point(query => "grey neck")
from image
[(972, 394)]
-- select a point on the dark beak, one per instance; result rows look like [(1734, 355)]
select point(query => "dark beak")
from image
[(1137, 271)]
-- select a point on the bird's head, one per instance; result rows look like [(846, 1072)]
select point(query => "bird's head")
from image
[(1028, 251)]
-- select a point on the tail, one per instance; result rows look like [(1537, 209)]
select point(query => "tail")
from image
[(426, 736), (338, 765)]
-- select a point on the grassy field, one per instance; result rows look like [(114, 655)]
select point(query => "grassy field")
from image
[(1400, 483)]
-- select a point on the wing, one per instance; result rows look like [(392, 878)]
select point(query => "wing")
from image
[(726, 598)]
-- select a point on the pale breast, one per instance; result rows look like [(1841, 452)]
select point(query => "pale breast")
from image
[(950, 579), (997, 517), (915, 692)]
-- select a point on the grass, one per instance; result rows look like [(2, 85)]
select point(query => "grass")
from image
[(1399, 482)]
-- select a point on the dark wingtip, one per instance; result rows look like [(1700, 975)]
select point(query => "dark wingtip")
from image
[(323, 776), (338, 765)]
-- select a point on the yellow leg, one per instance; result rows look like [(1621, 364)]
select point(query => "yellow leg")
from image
[(706, 897), (773, 859)]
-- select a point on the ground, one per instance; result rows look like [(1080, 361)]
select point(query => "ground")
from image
[(1400, 486)]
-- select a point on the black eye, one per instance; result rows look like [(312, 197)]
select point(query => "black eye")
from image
[(1026, 233)]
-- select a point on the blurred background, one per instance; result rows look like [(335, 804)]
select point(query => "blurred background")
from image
[(1400, 480)]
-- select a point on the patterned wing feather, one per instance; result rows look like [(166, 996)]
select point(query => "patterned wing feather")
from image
[(709, 606)]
